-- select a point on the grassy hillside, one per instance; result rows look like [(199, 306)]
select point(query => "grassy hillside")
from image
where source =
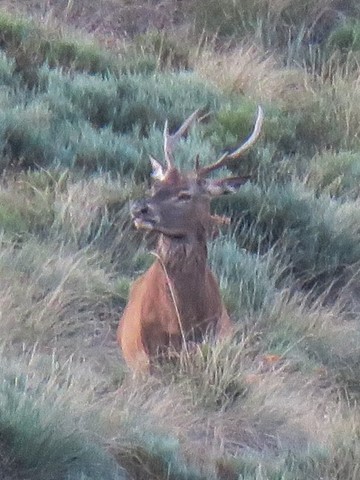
[(84, 94)]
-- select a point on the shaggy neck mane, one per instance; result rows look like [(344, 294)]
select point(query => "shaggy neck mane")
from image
[(182, 255), (185, 265)]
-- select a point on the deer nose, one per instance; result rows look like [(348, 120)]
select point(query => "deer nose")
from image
[(139, 207)]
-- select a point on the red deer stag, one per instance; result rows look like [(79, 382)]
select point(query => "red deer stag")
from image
[(177, 300)]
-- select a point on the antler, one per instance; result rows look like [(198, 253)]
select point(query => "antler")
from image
[(171, 140), (202, 172)]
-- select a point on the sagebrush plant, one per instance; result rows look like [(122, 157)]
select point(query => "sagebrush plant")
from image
[(313, 234), (79, 118), (247, 280), (334, 173)]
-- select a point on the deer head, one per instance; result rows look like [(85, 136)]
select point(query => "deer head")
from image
[(179, 206)]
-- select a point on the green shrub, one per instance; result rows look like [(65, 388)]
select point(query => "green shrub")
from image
[(227, 18), (138, 100), (287, 131), (317, 127), (13, 31), (94, 123), (232, 126), (345, 37), (104, 151), (7, 74), (335, 173), (247, 280), (305, 229), (28, 134), (32, 46)]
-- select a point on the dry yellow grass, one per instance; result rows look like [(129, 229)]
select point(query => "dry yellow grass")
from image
[(249, 71)]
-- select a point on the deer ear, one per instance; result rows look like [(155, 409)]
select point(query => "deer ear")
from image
[(158, 172), (224, 186)]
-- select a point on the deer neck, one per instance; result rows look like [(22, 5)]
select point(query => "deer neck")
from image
[(184, 264), (183, 257)]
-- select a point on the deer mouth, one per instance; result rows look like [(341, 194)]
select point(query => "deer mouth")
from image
[(153, 225), (145, 224), (145, 220)]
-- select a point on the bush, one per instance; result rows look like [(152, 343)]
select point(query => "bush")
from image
[(345, 37), (337, 174), (305, 229), (32, 46), (247, 280), (94, 123)]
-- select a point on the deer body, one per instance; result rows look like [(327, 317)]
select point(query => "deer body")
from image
[(177, 300)]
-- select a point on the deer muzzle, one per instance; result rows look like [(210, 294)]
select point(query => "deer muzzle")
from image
[(143, 215)]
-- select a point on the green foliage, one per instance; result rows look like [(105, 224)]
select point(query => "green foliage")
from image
[(32, 46), (14, 31), (247, 280), (94, 123), (21, 214), (316, 127), (305, 129), (346, 37), (25, 209), (88, 114), (335, 173), (7, 67), (232, 125), (305, 229)]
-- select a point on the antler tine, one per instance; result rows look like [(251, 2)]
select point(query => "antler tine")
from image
[(238, 152), (167, 146), (253, 137), (171, 140)]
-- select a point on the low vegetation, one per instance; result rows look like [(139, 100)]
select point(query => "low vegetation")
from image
[(80, 113)]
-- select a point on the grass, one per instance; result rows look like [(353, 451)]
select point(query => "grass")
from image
[(80, 114)]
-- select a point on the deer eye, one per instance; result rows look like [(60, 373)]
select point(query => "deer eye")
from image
[(184, 196)]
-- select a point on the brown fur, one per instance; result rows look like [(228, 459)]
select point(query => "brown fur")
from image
[(151, 323)]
